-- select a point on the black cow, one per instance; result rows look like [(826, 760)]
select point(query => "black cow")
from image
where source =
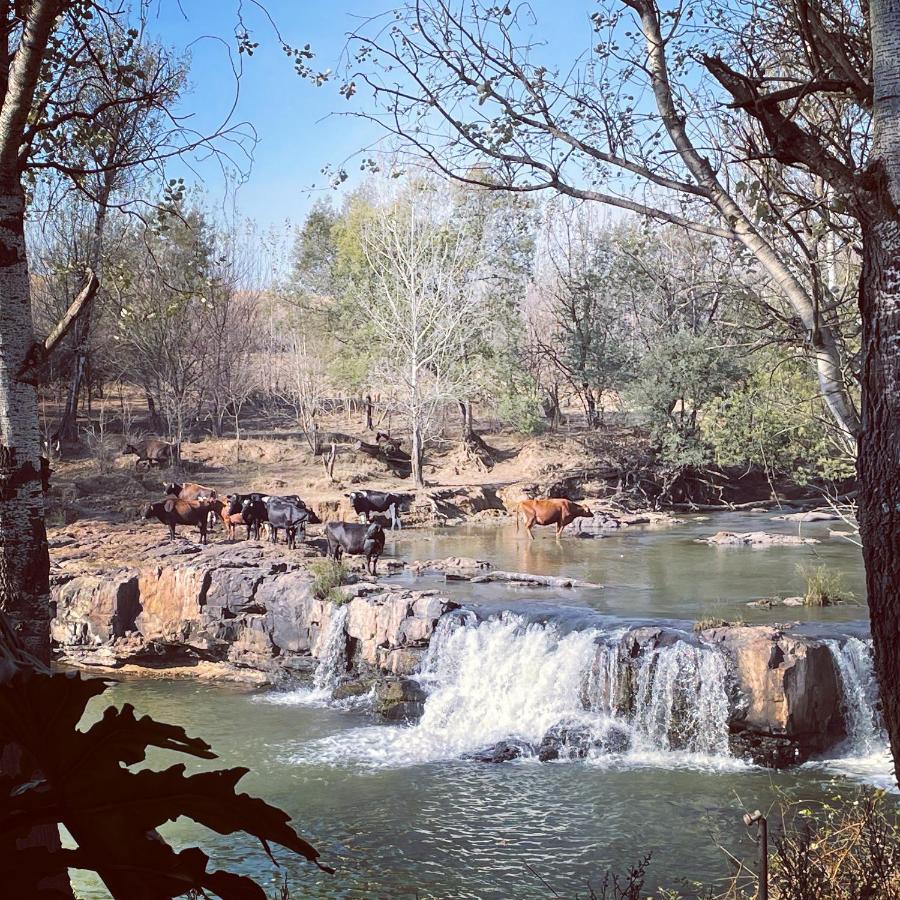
[(289, 515), (366, 502), (253, 511), (357, 540)]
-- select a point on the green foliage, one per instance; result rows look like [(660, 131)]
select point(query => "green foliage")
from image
[(81, 779), (824, 586), (677, 383), (776, 419), (328, 577), (519, 403)]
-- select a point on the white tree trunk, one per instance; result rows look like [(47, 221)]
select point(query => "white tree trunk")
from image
[(24, 562)]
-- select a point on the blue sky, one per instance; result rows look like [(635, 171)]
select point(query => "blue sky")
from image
[(296, 137)]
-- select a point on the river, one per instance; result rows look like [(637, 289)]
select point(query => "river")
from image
[(400, 814)]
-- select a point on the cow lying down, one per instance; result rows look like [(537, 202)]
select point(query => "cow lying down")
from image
[(173, 511), (356, 540)]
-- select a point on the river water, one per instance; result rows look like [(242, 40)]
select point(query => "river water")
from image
[(401, 814)]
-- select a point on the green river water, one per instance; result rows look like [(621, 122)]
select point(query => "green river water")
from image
[(397, 820)]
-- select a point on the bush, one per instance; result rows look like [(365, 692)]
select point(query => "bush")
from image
[(824, 586), (328, 577), (522, 412)]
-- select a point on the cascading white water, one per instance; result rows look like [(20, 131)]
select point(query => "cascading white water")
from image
[(505, 679), (681, 700), (853, 660), (330, 649)]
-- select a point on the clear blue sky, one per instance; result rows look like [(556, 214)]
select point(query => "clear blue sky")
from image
[(296, 137)]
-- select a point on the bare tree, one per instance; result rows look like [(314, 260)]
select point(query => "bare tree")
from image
[(424, 308)]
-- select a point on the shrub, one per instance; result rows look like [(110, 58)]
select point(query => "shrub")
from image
[(328, 577), (824, 586), (522, 411)]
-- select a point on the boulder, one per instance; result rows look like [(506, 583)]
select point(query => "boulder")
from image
[(399, 699), (787, 687), (565, 742), (503, 751), (754, 539)]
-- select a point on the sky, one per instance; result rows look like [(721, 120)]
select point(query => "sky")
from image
[(296, 130)]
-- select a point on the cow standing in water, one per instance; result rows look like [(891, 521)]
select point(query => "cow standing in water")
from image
[(550, 512)]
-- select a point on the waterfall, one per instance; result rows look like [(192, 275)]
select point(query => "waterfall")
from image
[(546, 692), (681, 700), (330, 649), (853, 661)]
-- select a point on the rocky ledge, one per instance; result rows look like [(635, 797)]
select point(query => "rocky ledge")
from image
[(242, 607)]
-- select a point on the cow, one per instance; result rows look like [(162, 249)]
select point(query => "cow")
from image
[(366, 502), (253, 511), (290, 515), (550, 512), (232, 521), (190, 491), (357, 540), (152, 451), (173, 511)]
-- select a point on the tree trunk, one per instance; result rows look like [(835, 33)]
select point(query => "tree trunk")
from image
[(416, 456), (369, 426), (879, 302), (25, 570), (24, 560)]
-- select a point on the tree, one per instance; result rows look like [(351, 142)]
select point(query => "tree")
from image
[(801, 83), (459, 86), (423, 307), (586, 341)]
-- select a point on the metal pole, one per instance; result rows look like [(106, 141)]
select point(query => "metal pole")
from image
[(763, 859)]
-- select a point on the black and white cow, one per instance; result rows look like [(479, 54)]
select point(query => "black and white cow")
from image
[(366, 502)]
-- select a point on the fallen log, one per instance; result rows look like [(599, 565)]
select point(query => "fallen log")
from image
[(528, 578)]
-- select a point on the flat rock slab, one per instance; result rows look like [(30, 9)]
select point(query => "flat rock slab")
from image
[(754, 539), (528, 578), (814, 515)]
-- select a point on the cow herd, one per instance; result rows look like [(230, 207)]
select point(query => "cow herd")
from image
[(194, 504)]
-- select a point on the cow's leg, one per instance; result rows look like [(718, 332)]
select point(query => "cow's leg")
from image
[(530, 519), (203, 531), (171, 531)]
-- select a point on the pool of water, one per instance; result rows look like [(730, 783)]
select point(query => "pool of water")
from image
[(652, 572), (400, 814)]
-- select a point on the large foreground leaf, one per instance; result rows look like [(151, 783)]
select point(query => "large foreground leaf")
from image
[(80, 779)]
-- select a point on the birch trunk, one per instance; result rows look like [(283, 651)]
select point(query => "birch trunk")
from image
[(24, 561), (879, 441)]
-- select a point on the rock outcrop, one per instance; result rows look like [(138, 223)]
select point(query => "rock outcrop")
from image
[(240, 605), (787, 702)]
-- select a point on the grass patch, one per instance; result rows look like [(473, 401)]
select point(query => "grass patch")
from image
[(703, 624), (329, 576), (824, 586)]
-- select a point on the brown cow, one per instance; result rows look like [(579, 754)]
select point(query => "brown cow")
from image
[(550, 512), (173, 511), (232, 522), (190, 490)]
